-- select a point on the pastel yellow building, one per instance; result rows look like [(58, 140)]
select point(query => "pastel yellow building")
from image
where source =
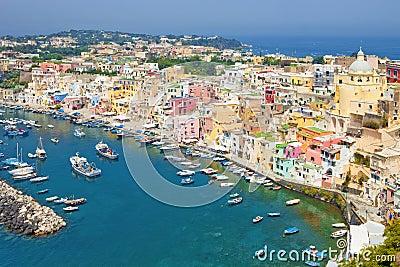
[(119, 96)]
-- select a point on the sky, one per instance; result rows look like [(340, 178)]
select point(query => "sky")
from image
[(228, 18)]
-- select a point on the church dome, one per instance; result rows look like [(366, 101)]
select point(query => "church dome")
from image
[(360, 65)]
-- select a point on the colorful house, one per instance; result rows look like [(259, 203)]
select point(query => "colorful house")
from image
[(186, 128), (182, 105), (307, 134)]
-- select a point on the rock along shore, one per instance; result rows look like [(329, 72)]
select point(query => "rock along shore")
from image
[(23, 214)]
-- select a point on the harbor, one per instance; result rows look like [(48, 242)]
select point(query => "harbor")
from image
[(114, 199)]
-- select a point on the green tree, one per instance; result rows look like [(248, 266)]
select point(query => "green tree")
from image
[(318, 60)]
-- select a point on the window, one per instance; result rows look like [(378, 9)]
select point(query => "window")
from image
[(351, 78), (359, 105), (359, 79), (340, 81), (395, 73), (370, 106), (388, 73)]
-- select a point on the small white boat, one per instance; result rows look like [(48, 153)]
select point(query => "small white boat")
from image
[(227, 184), (293, 202), (158, 143), (218, 159), (169, 147), (39, 179), (71, 208), (82, 166), (273, 214), (105, 151), (257, 219), (24, 176), (60, 200), (339, 233), (40, 152), (339, 225), (20, 171), (32, 156), (235, 201), (79, 133), (221, 177), (185, 173), (51, 199), (51, 126), (55, 140)]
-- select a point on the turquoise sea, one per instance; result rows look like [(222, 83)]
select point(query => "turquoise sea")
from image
[(120, 225)]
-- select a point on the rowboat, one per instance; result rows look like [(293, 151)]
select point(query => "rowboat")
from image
[(291, 230), (70, 209), (257, 219), (292, 202)]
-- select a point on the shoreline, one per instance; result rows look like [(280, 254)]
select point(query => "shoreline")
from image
[(347, 210)]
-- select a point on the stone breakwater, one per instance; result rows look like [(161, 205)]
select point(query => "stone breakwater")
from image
[(23, 214)]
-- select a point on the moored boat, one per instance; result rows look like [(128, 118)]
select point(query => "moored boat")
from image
[(39, 179), (82, 166), (235, 201), (55, 140), (40, 152), (278, 187), (105, 151), (291, 230), (339, 233), (43, 191), (257, 219), (339, 225), (32, 156), (234, 195), (70, 209), (185, 173), (186, 181), (60, 200), (227, 184), (273, 214), (24, 176), (75, 202), (293, 202), (79, 133), (51, 199)]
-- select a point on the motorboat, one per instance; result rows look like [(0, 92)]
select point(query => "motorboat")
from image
[(275, 188), (43, 191), (75, 202), (235, 201), (185, 173), (227, 184), (293, 202), (51, 199), (158, 143), (208, 171), (339, 233), (60, 200), (40, 152), (220, 177), (257, 219), (39, 179), (186, 181), (79, 133), (55, 140), (291, 230), (218, 159), (339, 225), (82, 166), (32, 156), (105, 151), (51, 126), (234, 195), (70, 209), (273, 214)]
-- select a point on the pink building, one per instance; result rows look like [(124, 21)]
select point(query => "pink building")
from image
[(56, 67), (204, 93), (314, 150), (182, 105), (186, 128), (205, 126), (293, 150)]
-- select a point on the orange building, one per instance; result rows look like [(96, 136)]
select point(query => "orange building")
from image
[(306, 135)]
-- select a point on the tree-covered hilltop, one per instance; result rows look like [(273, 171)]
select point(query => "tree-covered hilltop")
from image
[(90, 37)]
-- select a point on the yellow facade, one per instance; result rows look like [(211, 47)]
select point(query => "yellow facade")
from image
[(119, 96), (300, 121)]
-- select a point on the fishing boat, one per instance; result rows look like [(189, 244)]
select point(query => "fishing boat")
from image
[(70, 209), (55, 140), (60, 200), (39, 179), (291, 230), (227, 184), (43, 191), (82, 166), (293, 202), (273, 214), (32, 156), (257, 219), (40, 152), (339, 233), (185, 173), (75, 202), (339, 225), (186, 181), (234, 195), (235, 201), (51, 199), (105, 151), (312, 263), (79, 133)]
